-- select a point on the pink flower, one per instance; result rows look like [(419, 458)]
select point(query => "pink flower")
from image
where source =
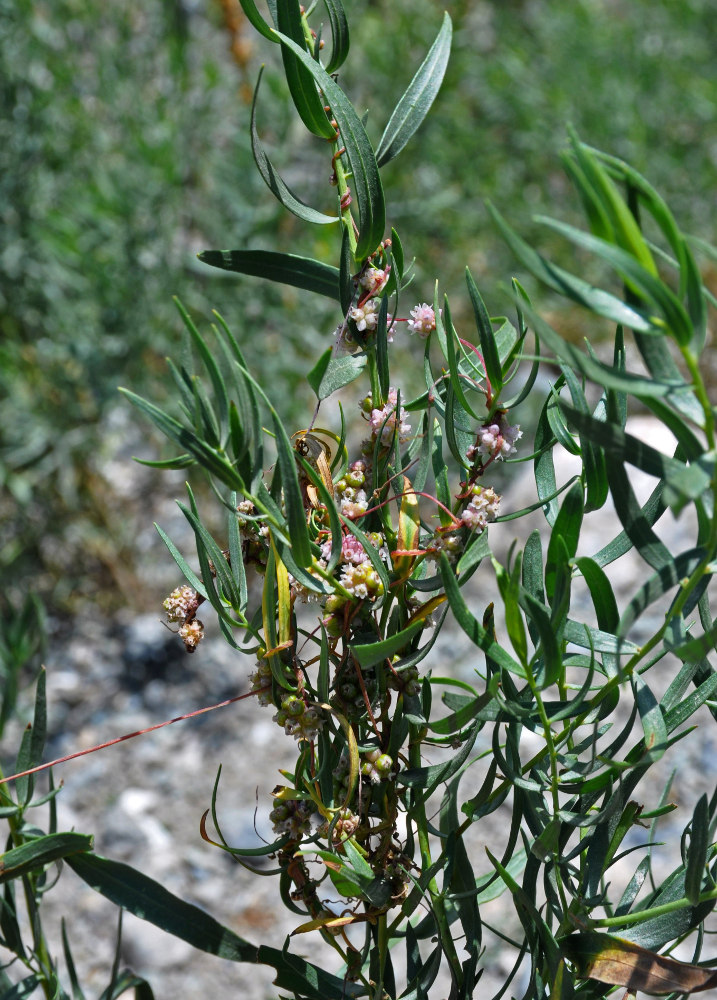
[(373, 279), (496, 440), (484, 507), (388, 422), (422, 321), (366, 316)]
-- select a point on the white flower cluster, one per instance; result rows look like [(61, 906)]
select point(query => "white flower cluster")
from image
[(482, 509), (298, 719), (374, 278), (366, 316), (357, 573), (191, 634), (293, 816), (389, 420), (495, 440), (181, 604), (261, 683), (353, 501), (422, 321)]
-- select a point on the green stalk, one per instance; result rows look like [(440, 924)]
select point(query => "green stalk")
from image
[(418, 814), (639, 916), (40, 949)]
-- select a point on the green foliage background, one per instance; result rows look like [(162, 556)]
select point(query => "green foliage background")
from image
[(124, 151)]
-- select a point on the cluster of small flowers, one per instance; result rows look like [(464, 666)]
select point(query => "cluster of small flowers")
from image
[(388, 420), (377, 767), (346, 825), (293, 816), (248, 527), (443, 541), (365, 313), (374, 278), (352, 551), (261, 683), (361, 581), (191, 634), (181, 606), (365, 316), (482, 509), (353, 501), (299, 720), (496, 440), (422, 321)]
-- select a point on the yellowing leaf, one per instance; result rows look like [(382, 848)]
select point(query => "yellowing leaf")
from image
[(621, 963)]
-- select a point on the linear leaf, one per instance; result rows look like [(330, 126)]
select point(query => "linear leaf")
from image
[(147, 899), (374, 652), (367, 189), (285, 268), (415, 103), (654, 291), (208, 457), (41, 851), (295, 512), (274, 182), (470, 625), (300, 81), (339, 34), (257, 21), (597, 300), (491, 359)]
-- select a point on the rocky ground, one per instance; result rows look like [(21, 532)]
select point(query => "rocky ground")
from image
[(143, 799)]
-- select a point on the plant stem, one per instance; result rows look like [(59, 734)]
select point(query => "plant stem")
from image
[(437, 898)]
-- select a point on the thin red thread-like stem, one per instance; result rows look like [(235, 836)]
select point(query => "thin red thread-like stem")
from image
[(127, 736)]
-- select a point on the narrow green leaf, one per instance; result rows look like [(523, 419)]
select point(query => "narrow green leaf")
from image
[(696, 648), (655, 293), (697, 853), (601, 593), (331, 373), (301, 83), (415, 103), (595, 299), (147, 899), (637, 526), (295, 512), (375, 652), (188, 573), (27, 987), (41, 851), (668, 575), (567, 531), (339, 34), (593, 458), (366, 183), (38, 732), (217, 380), (473, 629), (625, 230), (491, 360), (273, 181), (544, 465), (285, 268), (653, 723), (208, 457), (257, 21)]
